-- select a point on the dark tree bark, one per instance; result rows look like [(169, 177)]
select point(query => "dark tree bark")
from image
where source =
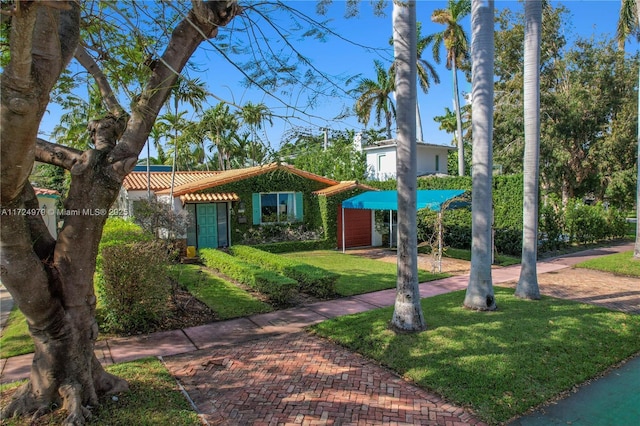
[(50, 280)]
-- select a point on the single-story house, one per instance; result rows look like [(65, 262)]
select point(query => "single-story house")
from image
[(382, 156), (225, 205)]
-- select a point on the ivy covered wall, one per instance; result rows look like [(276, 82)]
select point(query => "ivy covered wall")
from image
[(329, 208), (274, 181), (507, 194)]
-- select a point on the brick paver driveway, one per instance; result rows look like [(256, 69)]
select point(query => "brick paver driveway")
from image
[(300, 379)]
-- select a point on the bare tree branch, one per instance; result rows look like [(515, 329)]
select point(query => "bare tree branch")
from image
[(106, 91), (57, 155), (186, 38)]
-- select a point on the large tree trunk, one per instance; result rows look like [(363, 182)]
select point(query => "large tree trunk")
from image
[(480, 289), (527, 287), (636, 251), (51, 281), (407, 314)]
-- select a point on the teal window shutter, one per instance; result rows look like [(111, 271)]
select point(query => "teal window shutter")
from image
[(255, 201), (299, 211)]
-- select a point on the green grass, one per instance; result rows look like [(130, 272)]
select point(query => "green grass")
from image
[(463, 254), (357, 274), (225, 299), (499, 363), (153, 399), (619, 263), (15, 339)]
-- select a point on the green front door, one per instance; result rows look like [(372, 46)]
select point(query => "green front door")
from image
[(207, 226)]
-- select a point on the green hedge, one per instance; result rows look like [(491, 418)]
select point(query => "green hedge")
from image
[(129, 280), (133, 286), (278, 288), (296, 246), (118, 231), (507, 204), (311, 279)]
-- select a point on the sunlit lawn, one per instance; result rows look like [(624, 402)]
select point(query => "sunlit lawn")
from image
[(619, 263), (357, 274), (153, 399), (15, 338), (499, 363), (225, 299)]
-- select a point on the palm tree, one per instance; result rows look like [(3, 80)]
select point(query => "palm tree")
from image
[(425, 71), (219, 126), (527, 287), (376, 94), (239, 156), (407, 313), (158, 131), (455, 42), (253, 115), (480, 289), (629, 23), (194, 93)]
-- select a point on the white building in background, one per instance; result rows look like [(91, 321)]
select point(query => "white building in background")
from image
[(382, 155), (48, 202)]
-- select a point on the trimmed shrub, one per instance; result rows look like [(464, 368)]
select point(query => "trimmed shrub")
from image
[(551, 224), (508, 241), (133, 286), (586, 223), (457, 228), (311, 279), (278, 288), (296, 246), (122, 231)]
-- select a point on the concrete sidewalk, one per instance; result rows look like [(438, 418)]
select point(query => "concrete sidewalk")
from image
[(226, 333)]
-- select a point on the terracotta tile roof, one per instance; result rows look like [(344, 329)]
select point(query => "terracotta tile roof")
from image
[(235, 175), (137, 181), (344, 186), (209, 198), (44, 191)]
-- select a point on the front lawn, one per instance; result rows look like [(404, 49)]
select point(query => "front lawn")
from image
[(357, 274), (225, 299), (619, 263), (153, 399), (15, 339), (498, 363)]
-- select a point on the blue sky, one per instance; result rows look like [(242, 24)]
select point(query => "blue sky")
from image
[(340, 58), (337, 57)]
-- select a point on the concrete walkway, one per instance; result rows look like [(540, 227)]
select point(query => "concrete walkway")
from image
[(215, 345)]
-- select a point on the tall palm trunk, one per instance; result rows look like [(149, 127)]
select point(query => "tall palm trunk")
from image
[(148, 171), (480, 289), (174, 162), (456, 100), (527, 287), (636, 251), (407, 314)]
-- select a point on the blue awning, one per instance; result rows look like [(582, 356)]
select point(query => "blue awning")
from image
[(388, 200)]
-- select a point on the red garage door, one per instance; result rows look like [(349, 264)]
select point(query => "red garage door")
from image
[(357, 226)]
